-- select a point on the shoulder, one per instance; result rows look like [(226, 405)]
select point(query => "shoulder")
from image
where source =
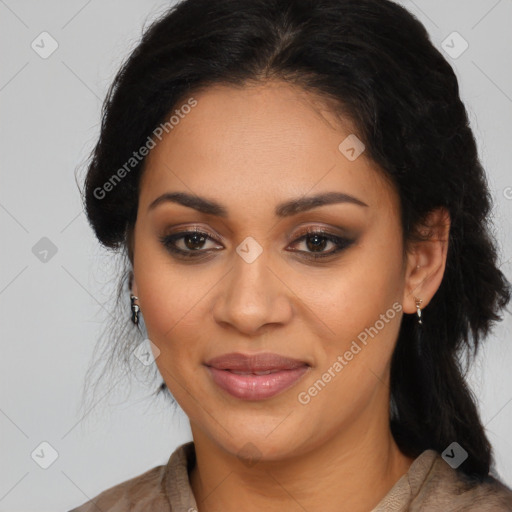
[(143, 492), (446, 488), (153, 490)]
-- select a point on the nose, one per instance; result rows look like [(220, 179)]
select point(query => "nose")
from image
[(253, 296)]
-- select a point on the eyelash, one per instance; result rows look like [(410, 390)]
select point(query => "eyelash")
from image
[(341, 243)]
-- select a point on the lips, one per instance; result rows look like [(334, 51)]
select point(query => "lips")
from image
[(255, 377)]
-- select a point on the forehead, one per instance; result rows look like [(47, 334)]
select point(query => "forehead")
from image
[(260, 144)]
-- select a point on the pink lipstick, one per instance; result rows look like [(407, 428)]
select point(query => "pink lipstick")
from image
[(257, 376)]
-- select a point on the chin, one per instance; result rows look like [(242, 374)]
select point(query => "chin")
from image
[(252, 445)]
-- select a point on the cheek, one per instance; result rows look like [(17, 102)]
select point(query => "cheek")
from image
[(169, 292), (168, 298), (363, 312), (353, 296), (170, 314)]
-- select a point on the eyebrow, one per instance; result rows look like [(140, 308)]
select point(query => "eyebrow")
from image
[(286, 209)]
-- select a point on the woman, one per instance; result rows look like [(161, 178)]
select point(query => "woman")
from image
[(300, 199)]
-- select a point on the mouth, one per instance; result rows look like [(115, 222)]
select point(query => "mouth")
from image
[(255, 377)]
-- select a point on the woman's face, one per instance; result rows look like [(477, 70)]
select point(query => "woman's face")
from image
[(249, 284)]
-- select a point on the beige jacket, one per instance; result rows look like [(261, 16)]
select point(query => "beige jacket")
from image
[(429, 485)]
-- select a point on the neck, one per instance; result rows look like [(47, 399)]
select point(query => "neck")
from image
[(349, 472)]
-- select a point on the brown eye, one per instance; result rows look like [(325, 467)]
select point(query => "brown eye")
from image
[(194, 244), (194, 241), (188, 243), (316, 241)]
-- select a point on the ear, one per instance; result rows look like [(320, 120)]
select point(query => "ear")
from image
[(426, 260)]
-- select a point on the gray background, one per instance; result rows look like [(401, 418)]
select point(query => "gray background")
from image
[(52, 311)]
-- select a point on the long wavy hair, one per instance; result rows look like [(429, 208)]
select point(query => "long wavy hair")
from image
[(376, 65)]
